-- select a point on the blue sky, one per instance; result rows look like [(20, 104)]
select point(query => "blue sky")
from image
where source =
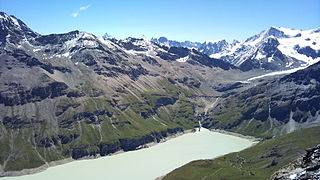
[(195, 20)]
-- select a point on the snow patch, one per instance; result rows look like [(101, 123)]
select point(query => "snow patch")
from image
[(276, 73), (15, 21), (183, 59), (293, 176), (36, 50), (290, 32), (260, 55), (67, 54), (288, 46), (88, 36), (108, 43)]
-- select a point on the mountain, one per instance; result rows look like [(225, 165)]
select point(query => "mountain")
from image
[(274, 49), (13, 30), (166, 42), (213, 46), (272, 107), (107, 36), (180, 54), (208, 47), (75, 95)]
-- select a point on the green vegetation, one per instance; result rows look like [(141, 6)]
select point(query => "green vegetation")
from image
[(87, 122), (245, 113), (24, 155), (257, 162), (4, 148)]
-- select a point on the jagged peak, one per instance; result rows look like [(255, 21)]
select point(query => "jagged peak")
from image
[(163, 38), (107, 36), (273, 31), (9, 20), (135, 40), (215, 41), (13, 29)]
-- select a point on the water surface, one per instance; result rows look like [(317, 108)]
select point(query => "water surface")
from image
[(147, 163)]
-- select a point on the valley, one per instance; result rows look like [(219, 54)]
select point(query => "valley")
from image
[(76, 95)]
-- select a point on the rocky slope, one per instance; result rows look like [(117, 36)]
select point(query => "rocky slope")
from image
[(78, 95), (271, 107), (306, 167)]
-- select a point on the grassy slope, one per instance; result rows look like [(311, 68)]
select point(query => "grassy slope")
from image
[(232, 113), (130, 125), (257, 162)]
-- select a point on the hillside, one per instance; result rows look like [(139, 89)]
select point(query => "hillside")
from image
[(78, 95), (257, 162), (272, 107)]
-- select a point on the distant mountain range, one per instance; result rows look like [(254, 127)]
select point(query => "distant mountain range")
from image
[(272, 49), (208, 47)]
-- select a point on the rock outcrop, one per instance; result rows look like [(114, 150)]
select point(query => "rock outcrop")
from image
[(307, 167), (127, 144)]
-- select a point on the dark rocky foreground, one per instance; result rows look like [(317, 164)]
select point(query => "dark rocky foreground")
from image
[(307, 167)]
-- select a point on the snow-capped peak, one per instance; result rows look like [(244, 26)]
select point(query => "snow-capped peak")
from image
[(290, 32), (145, 38), (214, 41), (108, 36), (13, 30), (4, 18), (273, 31), (275, 47)]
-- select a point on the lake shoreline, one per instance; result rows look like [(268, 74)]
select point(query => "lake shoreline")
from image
[(251, 138), (148, 145), (68, 160)]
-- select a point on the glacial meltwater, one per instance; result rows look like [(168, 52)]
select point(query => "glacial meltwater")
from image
[(147, 163)]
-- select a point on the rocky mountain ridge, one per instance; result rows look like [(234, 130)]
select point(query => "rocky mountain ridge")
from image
[(208, 47), (272, 107), (77, 95), (273, 49)]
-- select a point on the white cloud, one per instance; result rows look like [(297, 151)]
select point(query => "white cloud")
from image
[(76, 14), (84, 7)]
